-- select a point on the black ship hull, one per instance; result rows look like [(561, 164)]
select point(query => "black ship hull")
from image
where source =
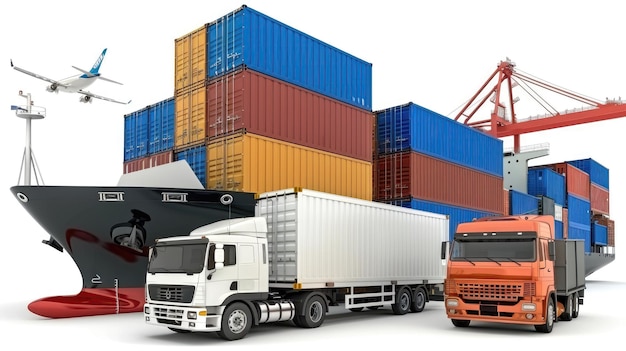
[(108, 231)]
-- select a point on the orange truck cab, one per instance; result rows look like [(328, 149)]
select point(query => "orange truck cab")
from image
[(512, 270)]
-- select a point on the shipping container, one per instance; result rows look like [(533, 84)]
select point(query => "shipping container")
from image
[(190, 59), (576, 181), (456, 215), (522, 203), (598, 174), (190, 117), (507, 203), (136, 126), (411, 127), (247, 37), (149, 161), (558, 230), (266, 106), (196, 158), (599, 198), (579, 220), (565, 223), (161, 126), (545, 181), (253, 163), (412, 174), (315, 238), (580, 232), (610, 228), (546, 206), (599, 234)]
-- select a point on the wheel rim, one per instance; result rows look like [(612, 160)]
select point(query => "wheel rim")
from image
[(237, 321), (315, 312), (550, 315), (420, 300), (405, 300)]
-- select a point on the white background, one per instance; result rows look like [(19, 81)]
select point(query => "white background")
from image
[(436, 54)]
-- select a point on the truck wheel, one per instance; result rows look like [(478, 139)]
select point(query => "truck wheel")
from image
[(575, 306), (461, 323), (236, 322), (547, 326), (418, 302), (314, 313), (403, 302), (568, 313)]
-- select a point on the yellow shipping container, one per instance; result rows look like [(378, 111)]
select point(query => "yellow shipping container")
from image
[(249, 162), (190, 59), (190, 117)]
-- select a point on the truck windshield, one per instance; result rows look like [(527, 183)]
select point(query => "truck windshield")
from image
[(178, 258), (510, 250)]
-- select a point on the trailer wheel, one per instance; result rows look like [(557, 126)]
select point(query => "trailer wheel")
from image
[(418, 302), (236, 322), (403, 302), (569, 308), (575, 305), (547, 326), (461, 323), (314, 313)]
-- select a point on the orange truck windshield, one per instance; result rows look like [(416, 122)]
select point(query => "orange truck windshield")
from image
[(510, 247)]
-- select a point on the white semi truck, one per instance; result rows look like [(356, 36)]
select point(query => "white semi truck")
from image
[(302, 252)]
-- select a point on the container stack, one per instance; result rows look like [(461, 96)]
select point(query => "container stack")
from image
[(261, 106), (429, 162), (581, 187)]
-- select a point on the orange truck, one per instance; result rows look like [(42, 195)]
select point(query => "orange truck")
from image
[(512, 270)]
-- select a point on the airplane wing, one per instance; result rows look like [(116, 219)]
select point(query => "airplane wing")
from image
[(89, 95), (39, 76)]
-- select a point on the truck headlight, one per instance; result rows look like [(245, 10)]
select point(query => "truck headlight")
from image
[(452, 302), (529, 307), (146, 310), (192, 315)]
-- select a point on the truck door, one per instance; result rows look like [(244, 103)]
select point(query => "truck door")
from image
[(221, 277)]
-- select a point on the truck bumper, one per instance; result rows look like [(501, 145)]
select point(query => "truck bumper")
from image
[(522, 312), (196, 319)]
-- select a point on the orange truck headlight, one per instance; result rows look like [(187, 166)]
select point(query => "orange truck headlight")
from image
[(452, 302), (529, 307)]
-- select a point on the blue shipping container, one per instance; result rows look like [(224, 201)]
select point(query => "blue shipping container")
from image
[(196, 158), (598, 174), (247, 37), (599, 234), (580, 232), (546, 182), (136, 135), (456, 215), (558, 230), (578, 210), (161, 124), (522, 204), (412, 127)]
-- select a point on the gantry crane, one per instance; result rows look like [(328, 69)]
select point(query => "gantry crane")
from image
[(501, 95)]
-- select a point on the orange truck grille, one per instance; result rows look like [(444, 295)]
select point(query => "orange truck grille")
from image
[(494, 291)]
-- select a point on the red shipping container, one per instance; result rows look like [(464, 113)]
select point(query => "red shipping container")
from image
[(576, 181), (506, 209), (149, 161), (565, 223), (265, 106), (599, 199), (412, 174)]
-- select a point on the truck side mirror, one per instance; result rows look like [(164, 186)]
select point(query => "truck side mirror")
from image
[(219, 256), (551, 250)]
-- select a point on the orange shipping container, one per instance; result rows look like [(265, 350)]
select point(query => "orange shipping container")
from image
[(150, 161), (412, 174), (190, 59), (190, 117), (599, 199), (576, 181), (249, 162)]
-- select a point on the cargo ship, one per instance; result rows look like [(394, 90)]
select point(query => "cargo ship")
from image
[(107, 231)]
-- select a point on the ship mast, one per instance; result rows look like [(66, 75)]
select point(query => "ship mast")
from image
[(29, 113)]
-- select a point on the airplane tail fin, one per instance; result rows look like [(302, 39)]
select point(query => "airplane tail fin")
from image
[(96, 65)]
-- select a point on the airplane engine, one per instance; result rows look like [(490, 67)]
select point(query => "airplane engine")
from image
[(52, 88), (86, 99)]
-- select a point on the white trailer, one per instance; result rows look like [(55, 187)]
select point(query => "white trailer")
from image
[(303, 252)]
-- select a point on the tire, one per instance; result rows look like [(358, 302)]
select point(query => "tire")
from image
[(569, 309), (236, 322), (403, 302), (314, 313), (182, 331), (460, 323), (418, 302), (575, 306), (549, 324)]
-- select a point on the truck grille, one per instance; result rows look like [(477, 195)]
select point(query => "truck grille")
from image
[(171, 313), (492, 292), (171, 293)]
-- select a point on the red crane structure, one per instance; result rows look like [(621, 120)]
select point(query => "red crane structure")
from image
[(501, 95)]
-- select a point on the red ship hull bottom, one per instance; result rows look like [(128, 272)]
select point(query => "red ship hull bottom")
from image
[(90, 302)]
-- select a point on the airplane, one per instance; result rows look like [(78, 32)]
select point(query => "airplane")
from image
[(77, 83)]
